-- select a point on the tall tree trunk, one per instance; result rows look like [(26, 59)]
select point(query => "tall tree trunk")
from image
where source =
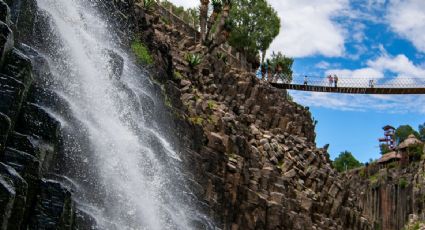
[(263, 57), (203, 16), (210, 24), (221, 35)]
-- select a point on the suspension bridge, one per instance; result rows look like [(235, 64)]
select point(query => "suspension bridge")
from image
[(355, 85)]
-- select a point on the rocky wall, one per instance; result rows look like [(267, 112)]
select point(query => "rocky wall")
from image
[(250, 150), (390, 195), (29, 134)]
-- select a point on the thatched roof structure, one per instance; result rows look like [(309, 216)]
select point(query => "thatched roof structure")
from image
[(411, 140), (389, 156)]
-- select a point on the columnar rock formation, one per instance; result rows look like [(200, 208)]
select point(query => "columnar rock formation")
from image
[(389, 195), (249, 150), (29, 136), (252, 151)]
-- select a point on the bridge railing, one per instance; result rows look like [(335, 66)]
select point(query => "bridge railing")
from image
[(400, 82)]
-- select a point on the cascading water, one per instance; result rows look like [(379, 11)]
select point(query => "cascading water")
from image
[(126, 174)]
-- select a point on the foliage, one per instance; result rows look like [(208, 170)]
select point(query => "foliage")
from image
[(345, 161), (256, 24), (402, 182), (281, 65), (222, 56), (415, 152), (177, 75), (193, 60), (384, 148), (403, 131), (373, 179), (212, 104), (141, 52), (421, 129), (148, 4)]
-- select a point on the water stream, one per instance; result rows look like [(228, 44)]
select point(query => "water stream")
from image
[(124, 171)]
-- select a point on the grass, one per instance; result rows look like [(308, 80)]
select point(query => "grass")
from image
[(142, 53)]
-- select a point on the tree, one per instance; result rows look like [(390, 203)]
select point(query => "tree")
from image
[(403, 131), (217, 8), (422, 131), (345, 161), (256, 24), (203, 15), (384, 148), (282, 65)]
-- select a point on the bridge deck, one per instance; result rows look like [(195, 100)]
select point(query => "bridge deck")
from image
[(349, 90)]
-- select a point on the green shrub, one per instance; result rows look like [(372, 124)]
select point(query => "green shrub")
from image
[(222, 57), (177, 75), (393, 164), (402, 182), (193, 60), (141, 52), (415, 152), (148, 5), (212, 104)]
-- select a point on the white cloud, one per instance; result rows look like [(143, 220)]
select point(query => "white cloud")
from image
[(185, 3), (323, 65), (407, 18), (308, 27)]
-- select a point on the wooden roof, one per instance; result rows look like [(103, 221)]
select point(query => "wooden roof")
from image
[(411, 140), (389, 156)]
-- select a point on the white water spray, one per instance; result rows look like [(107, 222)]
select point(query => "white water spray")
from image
[(130, 162)]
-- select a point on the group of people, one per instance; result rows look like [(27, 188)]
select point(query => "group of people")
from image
[(333, 80), (272, 75)]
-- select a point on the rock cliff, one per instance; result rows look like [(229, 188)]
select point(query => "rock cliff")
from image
[(389, 195), (251, 150), (248, 150), (29, 135)]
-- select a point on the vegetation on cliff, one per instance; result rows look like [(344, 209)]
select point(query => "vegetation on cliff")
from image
[(141, 52), (345, 161)]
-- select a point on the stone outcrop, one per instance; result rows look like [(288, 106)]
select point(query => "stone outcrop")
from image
[(29, 135), (250, 149), (389, 195)]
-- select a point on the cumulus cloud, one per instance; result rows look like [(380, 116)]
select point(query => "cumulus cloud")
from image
[(308, 27), (407, 18)]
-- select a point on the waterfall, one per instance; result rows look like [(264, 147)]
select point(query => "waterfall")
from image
[(126, 174)]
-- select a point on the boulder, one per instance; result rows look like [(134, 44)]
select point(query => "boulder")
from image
[(116, 64), (7, 197), (217, 141), (21, 187), (4, 13), (6, 40), (23, 16), (36, 121), (4, 131), (54, 208)]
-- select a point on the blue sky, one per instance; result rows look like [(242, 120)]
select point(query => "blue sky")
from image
[(382, 39)]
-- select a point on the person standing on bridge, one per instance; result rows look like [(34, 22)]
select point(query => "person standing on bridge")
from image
[(336, 80), (371, 83), (305, 80), (330, 80)]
